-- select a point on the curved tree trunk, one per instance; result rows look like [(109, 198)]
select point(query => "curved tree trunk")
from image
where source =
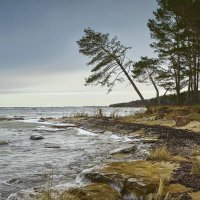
[(157, 91)]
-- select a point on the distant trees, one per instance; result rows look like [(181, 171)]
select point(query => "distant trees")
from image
[(175, 33), (108, 56)]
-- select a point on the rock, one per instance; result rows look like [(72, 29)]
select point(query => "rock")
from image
[(63, 126), (18, 118), (4, 119), (4, 142), (133, 178), (42, 119), (149, 140), (55, 146), (182, 121), (95, 191), (123, 150), (36, 136), (29, 194)]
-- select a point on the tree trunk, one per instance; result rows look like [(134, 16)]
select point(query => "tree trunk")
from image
[(155, 87), (133, 84), (128, 77)]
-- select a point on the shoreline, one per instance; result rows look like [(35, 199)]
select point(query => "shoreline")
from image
[(180, 142), (128, 184)]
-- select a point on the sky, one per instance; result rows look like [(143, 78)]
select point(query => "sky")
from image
[(40, 63)]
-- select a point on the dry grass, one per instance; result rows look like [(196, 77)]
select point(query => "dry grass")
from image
[(195, 167), (195, 152), (161, 194), (160, 154), (79, 114), (99, 113), (195, 195)]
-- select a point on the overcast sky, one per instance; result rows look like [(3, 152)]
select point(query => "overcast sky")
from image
[(39, 60)]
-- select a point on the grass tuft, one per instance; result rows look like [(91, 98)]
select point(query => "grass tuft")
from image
[(160, 154), (195, 167)]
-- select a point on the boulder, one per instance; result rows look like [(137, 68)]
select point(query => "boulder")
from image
[(42, 119), (133, 178), (4, 142), (95, 191), (36, 136), (182, 121)]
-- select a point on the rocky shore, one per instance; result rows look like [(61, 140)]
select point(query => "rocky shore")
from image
[(143, 178), (135, 176)]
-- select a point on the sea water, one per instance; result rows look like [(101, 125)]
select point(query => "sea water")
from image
[(26, 163)]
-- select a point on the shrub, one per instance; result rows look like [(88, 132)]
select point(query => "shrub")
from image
[(99, 113), (80, 114)]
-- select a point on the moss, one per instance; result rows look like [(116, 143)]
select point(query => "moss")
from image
[(120, 155), (145, 173), (96, 191), (100, 191), (195, 195)]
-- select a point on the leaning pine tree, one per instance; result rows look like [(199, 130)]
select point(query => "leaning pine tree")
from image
[(108, 56)]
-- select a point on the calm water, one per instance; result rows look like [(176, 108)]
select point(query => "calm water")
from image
[(26, 163)]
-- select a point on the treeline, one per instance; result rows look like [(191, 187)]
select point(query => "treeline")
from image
[(175, 33)]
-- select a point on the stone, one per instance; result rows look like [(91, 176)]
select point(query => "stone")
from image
[(54, 146), (18, 118), (42, 119), (28, 194), (4, 142), (182, 121), (95, 191), (133, 178), (123, 150), (36, 136)]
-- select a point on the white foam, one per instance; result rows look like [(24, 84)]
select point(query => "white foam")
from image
[(116, 137), (35, 121), (48, 129), (84, 132)]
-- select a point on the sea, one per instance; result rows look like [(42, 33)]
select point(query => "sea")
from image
[(60, 156)]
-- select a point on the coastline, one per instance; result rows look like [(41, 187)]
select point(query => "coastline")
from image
[(132, 175), (181, 143)]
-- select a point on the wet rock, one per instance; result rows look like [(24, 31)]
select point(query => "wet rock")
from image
[(135, 178), (36, 136), (4, 119), (29, 194), (182, 121), (149, 140), (4, 142), (122, 150), (42, 119), (53, 146), (96, 191), (18, 118)]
